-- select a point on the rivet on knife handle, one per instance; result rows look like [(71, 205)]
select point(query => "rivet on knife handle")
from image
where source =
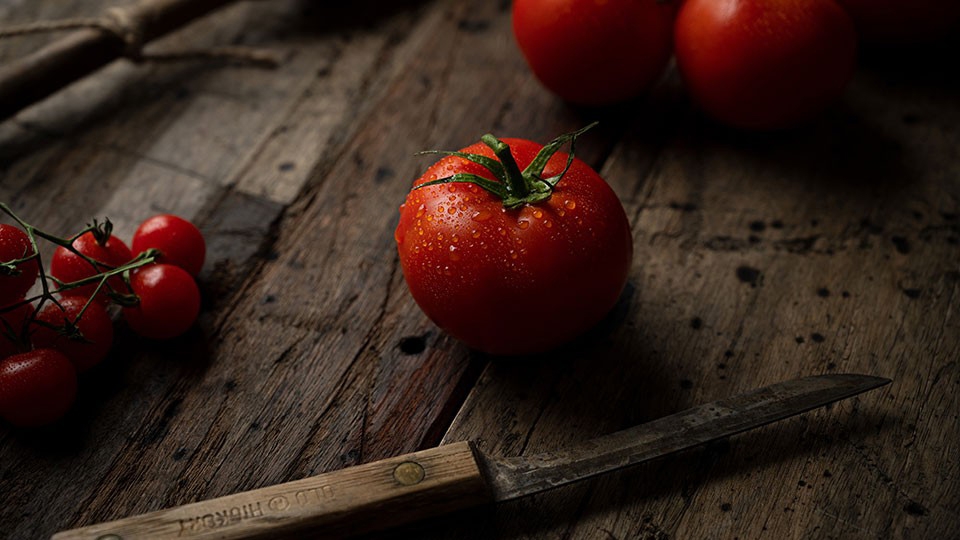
[(447, 478)]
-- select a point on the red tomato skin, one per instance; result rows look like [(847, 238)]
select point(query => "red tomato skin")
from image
[(169, 301), (15, 244), (179, 241), (67, 266), (512, 282), (95, 325), (15, 318), (36, 387), (903, 21), (759, 64), (594, 52)]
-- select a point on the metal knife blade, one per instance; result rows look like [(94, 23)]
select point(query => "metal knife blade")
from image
[(510, 478)]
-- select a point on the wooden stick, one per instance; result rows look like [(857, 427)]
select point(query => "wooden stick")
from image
[(36, 76), (341, 503)]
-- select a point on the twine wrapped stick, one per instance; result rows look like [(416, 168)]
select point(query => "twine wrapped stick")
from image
[(120, 32)]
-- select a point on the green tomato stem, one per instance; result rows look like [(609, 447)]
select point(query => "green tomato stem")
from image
[(516, 188), (517, 184)]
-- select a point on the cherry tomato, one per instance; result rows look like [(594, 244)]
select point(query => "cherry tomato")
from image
[(509, 276), (179, 241), (15, 244), (36, 387), (764, 65), (85, 341), (68, 267), (903, 21), (169, 301), (591, 52), (11, 329)]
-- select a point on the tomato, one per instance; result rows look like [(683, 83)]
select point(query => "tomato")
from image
[(68, 266), (169, 301), (515, 274), (764, 64), (179, 241), (902, 21), (36, 388), (16, 281), (85, 341), (591, 52), (11, 328)]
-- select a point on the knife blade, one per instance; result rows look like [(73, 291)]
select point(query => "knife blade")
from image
[(455, 476)]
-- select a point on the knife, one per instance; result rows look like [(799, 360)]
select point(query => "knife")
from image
[(451, 477)]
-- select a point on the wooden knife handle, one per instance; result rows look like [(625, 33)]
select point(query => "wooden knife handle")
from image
[(349, 501)]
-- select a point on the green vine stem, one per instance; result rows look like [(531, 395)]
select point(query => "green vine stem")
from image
[(104, 272)]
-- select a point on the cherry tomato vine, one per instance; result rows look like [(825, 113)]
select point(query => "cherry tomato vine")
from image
[(65, 328)]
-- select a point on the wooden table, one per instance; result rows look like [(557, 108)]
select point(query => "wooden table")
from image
[(832, 248)]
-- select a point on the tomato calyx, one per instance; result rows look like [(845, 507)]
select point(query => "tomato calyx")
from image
[(514, 187), (101, 231)]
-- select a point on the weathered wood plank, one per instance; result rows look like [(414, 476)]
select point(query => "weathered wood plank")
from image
[(761, 258), (278, 381), (758, 258)]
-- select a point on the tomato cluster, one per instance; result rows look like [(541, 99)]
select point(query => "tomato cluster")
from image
[(46, 340), (755, 64)]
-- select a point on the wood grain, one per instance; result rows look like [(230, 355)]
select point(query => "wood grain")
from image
[(355, 499), (833, 248), (759, 258)]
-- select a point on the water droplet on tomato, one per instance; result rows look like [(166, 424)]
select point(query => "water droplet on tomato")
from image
[(513, 254), (569, 205), (547, 223), (440, 237), (475, 233), (454, 239), (481, 215), (420, 210), (537, 213), (523, 224), (452, 210), (429, 217), (439, 208)]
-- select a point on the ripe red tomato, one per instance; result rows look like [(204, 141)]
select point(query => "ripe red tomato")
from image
[(179, 241), (595, 53), (763, 64), (903, 21), (68, 267), (11, 329), (169, 301), (520, 279), (36, 387), (14, 284), (85, 349)]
